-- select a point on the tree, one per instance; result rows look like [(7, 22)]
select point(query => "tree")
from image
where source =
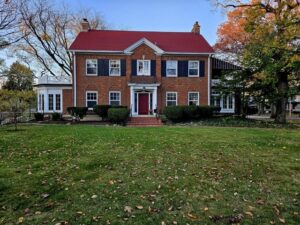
[(9, 23), (271, 47), (15, 102), (19, 77), (48, 32)]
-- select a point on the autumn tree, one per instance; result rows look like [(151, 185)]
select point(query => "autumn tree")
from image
[(19, 77), (48, 32), (268, 47)]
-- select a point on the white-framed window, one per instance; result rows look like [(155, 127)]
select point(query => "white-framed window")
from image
[(228, 101), (91, 99), (115, 98), (171, 68), (50, 102), (193, 68), (91, 67), (114, 67), (41, 102), (57, 102), (143, 67), (171, 98), (193, 98)]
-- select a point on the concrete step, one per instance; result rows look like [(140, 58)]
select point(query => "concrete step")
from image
[(144, 121)]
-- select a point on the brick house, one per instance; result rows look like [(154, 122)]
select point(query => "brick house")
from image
[(145, 71)]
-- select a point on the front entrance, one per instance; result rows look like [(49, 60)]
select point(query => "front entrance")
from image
[(143, 103)]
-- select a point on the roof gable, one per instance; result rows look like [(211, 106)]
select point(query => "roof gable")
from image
[(145, 41)]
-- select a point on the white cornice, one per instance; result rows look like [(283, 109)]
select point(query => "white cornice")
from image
[(145, 41)]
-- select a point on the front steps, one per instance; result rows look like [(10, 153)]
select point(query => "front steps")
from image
[(144, 121)]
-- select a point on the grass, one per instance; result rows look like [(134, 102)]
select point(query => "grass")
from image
[(197, 175)]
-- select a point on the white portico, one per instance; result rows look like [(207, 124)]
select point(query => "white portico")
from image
[(143, 99)]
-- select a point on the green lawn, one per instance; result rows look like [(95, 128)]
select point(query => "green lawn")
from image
[(200, 175)]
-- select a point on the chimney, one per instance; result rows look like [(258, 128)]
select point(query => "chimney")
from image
[(85, 25), (196, 28)]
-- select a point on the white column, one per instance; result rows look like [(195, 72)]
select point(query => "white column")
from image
[(132, 100), (154, 100), (208, 79), (75, 81)]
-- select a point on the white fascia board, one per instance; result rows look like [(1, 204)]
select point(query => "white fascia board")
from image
[(145, 41)]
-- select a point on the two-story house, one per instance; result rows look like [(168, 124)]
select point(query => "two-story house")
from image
[(142, 70)]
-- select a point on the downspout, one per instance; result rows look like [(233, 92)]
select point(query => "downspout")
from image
[(209, 79), (74, 80)]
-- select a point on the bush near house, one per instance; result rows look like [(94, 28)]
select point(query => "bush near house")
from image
[(192, 112), (102, 110), (56, 116), (77, 111), (39, 116), (118, 115)]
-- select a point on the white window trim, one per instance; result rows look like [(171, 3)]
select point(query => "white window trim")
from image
[(115, 75), (115, 92), (176, 68), (171, 92), (137, 67), (194, 92), (86, 100), (91, 74), (191, 61)]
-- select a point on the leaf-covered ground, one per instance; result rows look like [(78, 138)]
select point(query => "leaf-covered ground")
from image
[(84, 174)]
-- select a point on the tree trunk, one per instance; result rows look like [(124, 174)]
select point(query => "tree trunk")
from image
[(281, 102)]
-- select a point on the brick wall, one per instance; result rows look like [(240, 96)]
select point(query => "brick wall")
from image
[(104, 84)]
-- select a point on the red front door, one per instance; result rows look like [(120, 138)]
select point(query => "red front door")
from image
[(143, 103)]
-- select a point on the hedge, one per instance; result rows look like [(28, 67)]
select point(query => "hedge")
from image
[(39, 116), (192, 112), (118, 115), (56, 116), (77, 111), (102, 110)]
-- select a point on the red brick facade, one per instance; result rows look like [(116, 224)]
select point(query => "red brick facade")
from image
[(104, 84)]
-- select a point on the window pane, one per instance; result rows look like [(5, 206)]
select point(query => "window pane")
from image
[(114, 67), (115, 98), (91, 104), (91, 98), (50, 101), (57, 102), (171, 99), (91, 66)]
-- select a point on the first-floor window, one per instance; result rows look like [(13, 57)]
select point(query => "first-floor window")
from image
[(193, 98), (50, 102), (115, 98), (215, 101), (41, 102), (57, 102), (171, 98), (91, 99)]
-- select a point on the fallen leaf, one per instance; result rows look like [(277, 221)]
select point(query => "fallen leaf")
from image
[(276, 210), (139, 207), (94, 196), (205, 209), (21, 220), (260, 202), (281, 220), (128, 209), (249, 213), (191, 216)]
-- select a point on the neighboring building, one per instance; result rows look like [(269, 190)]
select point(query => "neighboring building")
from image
[(145, 71)]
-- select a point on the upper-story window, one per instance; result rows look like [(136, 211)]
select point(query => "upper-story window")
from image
[(193, 68), (91, 67), (114, 67), (171, 68), (143, 67)]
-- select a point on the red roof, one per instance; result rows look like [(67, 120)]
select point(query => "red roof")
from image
[(109, 40)]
